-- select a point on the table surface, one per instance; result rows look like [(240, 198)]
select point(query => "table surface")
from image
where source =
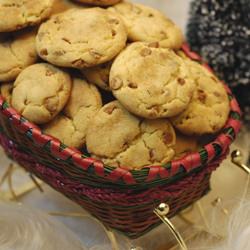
[(91, 232)]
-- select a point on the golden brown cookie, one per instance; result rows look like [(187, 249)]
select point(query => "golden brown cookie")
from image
[(209, 108), (6, 91), (120, 139), (62, 128), (151, 82), (71, 126), (99, 2), (40, 92), (63, 5), (185, 144), (17, 14), (99, 75), (81, 38), (147, 24), (17, 51)]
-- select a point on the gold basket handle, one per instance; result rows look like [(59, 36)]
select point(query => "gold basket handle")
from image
[(161, 211), (236, 158)]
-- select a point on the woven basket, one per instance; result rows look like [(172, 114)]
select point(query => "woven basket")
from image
[(122, 199)]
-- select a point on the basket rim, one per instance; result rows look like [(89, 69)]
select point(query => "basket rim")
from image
[(148, 174)]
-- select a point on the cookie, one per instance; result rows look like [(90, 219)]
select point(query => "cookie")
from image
[(17, 14), (146, 24), (185, 144), (6, 91), (62, 128), (151, 82), (208, 110), (99, 2), (40, 92), (120, 139), (81, 38), (99, 75), (71, 126), (63, 5), (17, 51)]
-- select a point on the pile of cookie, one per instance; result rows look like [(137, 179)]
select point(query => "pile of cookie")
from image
[(112, 80)]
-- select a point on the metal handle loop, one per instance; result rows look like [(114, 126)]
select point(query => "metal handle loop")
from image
[(236, 158), (161, 211)]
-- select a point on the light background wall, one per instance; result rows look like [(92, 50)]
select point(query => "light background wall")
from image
[(177, 10)]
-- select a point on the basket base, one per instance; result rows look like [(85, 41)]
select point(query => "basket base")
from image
[(133, 221)]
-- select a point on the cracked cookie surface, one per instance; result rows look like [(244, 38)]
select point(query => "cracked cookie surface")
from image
[(17, 14), (17, 52), (151, 82), (120, 139), (146, 24), (40, 92), (81, 38), (208, 110), (71, 126), (99, 2), (99, 75)]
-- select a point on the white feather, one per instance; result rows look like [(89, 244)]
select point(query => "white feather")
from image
[(236, 236), (23, 228)]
